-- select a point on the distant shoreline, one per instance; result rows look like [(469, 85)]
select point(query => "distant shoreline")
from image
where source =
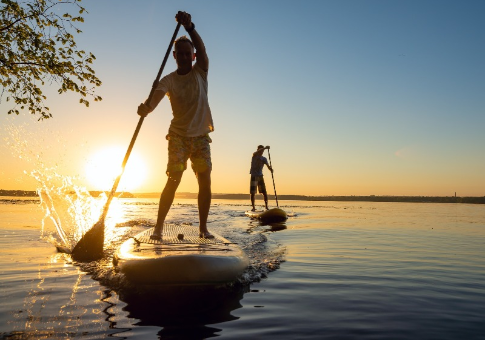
[(371, 198)]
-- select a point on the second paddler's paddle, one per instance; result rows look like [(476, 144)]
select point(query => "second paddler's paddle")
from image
[(90, 247), (274, 186)]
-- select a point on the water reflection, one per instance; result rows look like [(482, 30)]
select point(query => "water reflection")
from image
[(276, 226), (184, 312), (258, 226)]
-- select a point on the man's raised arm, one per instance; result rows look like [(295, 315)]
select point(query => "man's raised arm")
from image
[(185, 20)]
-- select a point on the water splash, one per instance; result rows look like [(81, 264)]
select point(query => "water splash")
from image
[(69, 206)]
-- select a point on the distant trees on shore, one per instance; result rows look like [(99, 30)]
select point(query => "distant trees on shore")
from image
[(372, 198)]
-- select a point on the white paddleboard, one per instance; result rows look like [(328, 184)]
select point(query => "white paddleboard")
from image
[(181, 257)]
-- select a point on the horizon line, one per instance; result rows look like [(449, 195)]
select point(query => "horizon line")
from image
[(3, 191)]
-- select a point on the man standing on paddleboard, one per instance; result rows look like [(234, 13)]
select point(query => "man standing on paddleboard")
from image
[(257, 180), (188, 135)]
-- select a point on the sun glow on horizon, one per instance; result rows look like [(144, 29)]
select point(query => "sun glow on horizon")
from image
[(105, 165)]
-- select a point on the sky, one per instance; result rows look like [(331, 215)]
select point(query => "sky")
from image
[(354, 97)]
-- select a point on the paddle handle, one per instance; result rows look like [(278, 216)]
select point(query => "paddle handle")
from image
[(138, 127), (274, 186)]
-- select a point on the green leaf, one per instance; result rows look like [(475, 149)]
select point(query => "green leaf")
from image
[(31, 51)]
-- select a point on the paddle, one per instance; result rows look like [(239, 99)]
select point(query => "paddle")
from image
[(90, 247), (274, 186)]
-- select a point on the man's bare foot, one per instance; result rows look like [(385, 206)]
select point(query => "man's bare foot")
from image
[(157, 234), (205, 234)]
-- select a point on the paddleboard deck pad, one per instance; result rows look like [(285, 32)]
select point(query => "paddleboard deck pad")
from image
[(274, 215), (180, 257)]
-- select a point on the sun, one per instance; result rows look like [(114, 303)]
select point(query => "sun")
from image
[(104, 166)]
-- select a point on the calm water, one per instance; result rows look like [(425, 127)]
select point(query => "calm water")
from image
[(335, 270)]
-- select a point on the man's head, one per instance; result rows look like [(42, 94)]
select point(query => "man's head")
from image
[(260, 150), (184, 54)]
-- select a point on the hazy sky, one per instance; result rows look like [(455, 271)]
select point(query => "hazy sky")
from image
[(354, 97)]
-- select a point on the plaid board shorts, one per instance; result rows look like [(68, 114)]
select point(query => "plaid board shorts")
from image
[(257, 182), (180, 149)]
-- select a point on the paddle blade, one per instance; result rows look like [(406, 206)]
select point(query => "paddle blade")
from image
[(90, 247)]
